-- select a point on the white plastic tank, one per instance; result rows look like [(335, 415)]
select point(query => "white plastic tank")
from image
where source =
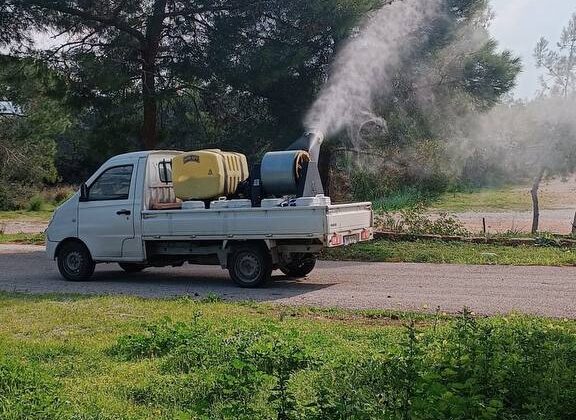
[(193, 205), (271, 202), (316, 201)]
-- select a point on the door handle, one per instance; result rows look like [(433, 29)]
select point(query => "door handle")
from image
[(124, 211)]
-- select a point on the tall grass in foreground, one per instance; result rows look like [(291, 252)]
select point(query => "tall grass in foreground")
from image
[(265, 368)]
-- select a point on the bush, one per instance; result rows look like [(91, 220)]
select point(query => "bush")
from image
[(159, 340), (414, 220), (464, 368), (405, 198), (36, 203)]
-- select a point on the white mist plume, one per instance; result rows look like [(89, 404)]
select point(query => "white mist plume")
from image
[(522, 138), (366, 65)]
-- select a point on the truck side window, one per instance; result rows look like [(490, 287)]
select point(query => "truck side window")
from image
[(165, 171), (112, 184)]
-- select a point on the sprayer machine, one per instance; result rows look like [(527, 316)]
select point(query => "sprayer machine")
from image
[(214, 174)]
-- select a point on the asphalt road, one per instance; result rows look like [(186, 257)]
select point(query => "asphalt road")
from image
[(487, 290)]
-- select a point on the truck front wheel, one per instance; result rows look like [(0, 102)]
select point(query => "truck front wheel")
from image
[(299, 267), (75, 262), (250, 265)]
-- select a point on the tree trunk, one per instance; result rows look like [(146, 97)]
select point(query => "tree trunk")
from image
[(150, 126), (535, 203), (574, 226), (150, 47)]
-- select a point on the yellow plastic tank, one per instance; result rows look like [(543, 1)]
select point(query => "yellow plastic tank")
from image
[(207, 174)]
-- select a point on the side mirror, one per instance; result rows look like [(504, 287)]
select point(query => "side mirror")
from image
[(83, 192)]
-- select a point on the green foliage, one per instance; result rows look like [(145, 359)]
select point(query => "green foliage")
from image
[(28, 141), (158, 340), (415, 220), (22, 238), (241, 77), (36, 203), (438, 252), (247, 361), (468, 368), (27, 392), (399, 177), (488, 73), (399, 200), (559, 64)]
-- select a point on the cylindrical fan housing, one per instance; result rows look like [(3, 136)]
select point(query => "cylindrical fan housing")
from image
[(280, 171)]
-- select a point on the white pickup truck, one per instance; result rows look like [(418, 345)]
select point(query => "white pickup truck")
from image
[(125, 213)]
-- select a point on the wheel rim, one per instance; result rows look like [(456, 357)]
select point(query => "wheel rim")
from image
[(248, 267), (302, 263), (73, 262)]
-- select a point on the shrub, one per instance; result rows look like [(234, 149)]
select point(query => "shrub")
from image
[(61, 194), (414, 220), (159, 339), (405, 198), (459, 369), (36, 203)]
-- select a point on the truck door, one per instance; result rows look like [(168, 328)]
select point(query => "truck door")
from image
[(105, 217)]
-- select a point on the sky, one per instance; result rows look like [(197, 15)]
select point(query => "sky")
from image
[(518, 26)]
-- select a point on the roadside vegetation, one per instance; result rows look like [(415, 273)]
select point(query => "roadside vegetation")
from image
[(495, 199), (27, 215), (120, 358), (439, 252), (22, 238), (508, 198)]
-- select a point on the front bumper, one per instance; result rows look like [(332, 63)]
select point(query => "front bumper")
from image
[(51, 249)]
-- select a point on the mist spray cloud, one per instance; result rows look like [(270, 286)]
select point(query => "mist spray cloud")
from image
[(365, 67)]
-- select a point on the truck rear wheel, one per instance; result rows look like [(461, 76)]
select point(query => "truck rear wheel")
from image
[(250, 265), (299, 267), (75, 262), (132, 267)]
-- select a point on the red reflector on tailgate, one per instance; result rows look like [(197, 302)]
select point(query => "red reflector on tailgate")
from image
[(336, 240)]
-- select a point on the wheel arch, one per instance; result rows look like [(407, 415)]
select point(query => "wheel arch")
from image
[(231, 245), (68, 241)]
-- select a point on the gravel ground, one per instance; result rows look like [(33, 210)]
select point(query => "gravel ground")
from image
[(22, 226), (548, 291)]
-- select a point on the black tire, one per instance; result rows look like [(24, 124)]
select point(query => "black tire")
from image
[(250, 265), (299, 267), (75, 262), (132, 267)]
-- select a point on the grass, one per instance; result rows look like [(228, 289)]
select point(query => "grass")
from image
[(25, 215), (22, 238), (453, 253), (502, 199), (495, 199), (399, 200), (132, 358)]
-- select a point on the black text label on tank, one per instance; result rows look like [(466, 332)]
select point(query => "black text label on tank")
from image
[(192, 158)]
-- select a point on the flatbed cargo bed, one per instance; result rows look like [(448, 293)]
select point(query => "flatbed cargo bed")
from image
[(306, 222)]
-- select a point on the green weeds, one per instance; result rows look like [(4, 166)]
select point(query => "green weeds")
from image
[(466, 368), (438, 252), (22, 238), (119, 357)]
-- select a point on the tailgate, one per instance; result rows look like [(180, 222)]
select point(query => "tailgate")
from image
[(349, 223)]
